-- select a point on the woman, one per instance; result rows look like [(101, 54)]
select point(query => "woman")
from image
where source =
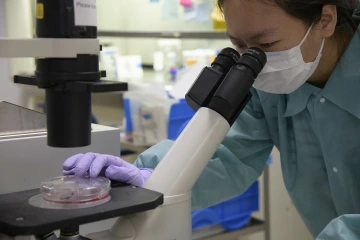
[(305, 102)]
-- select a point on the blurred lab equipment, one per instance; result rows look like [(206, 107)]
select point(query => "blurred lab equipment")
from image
[(190, 13), (121, 67), (167, 57), (186, 3), (108, 61), (147, 115), (203, 12), (129, 68), (203, 56)]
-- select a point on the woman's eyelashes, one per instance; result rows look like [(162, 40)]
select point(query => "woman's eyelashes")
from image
[(264, 46)]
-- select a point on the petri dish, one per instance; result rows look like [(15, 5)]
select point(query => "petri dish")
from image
[(75, 190)]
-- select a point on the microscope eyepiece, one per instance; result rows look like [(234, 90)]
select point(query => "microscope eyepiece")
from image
[(210, 78), (225, 60), (233, 94), (255, 59)]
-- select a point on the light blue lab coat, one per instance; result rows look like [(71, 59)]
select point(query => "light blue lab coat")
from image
[(317, 132)]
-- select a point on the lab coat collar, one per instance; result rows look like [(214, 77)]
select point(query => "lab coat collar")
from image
[(343, 87), (297, 100)]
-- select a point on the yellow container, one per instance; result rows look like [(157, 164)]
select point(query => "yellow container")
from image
[(218, 19), (219, 25)]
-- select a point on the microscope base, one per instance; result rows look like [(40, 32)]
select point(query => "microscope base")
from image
[(170, 221)]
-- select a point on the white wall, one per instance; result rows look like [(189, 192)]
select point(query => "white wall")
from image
[(8, 90), (19, 25), (113, 16)]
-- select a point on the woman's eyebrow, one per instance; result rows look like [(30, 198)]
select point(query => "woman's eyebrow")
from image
[(256, 36)]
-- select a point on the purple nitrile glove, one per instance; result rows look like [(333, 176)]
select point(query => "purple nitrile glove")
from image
[(94, 164)]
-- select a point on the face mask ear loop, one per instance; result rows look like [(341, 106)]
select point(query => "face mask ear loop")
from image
[(306, 35), (322, 46)]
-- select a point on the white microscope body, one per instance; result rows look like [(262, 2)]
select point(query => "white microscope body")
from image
[(175, 176)]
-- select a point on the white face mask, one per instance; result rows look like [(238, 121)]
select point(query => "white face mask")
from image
[(286, 71)]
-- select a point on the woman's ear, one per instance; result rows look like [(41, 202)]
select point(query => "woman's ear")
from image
[(328, 21)]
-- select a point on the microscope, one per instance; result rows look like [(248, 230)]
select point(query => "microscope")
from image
[(67, 68)]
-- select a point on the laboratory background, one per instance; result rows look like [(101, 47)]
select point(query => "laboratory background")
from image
[(158, 47)]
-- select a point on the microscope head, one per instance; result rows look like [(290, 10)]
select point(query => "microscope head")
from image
[(68, 81)]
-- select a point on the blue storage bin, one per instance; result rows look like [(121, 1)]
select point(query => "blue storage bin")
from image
[(180, 115), (232, 214), (127, 111)]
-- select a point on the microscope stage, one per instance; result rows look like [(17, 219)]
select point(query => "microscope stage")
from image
[(18, 217)]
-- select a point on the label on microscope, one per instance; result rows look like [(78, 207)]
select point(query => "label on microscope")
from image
[(85, 13)]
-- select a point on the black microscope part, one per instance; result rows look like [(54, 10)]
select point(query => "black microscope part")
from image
[(68, 82), (225, 60), (225, 87), (253, 58), (210, 79)]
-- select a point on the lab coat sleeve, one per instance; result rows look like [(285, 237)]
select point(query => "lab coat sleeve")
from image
[(237, 163), (346, 227)]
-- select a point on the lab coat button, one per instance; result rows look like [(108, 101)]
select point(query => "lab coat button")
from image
[(322, 100)]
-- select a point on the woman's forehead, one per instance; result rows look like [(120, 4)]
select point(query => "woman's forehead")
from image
[(248, 19), (254, 6)]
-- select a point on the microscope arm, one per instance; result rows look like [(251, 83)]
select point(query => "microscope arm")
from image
[(180, 168)]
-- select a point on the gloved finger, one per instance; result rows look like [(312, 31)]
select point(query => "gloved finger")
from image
[(71, 162), (69, 172), (103, 161), (145, 172), (72, 172), (125, 175), (97, 165), (84, 164)]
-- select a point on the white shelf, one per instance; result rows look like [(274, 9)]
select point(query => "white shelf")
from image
[(168, 34)]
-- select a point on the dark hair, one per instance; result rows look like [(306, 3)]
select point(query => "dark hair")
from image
[(309, 11)]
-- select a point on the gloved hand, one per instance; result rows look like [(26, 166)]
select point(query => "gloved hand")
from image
[(94, 164)]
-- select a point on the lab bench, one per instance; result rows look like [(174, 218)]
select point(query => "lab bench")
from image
[(216, 232)]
